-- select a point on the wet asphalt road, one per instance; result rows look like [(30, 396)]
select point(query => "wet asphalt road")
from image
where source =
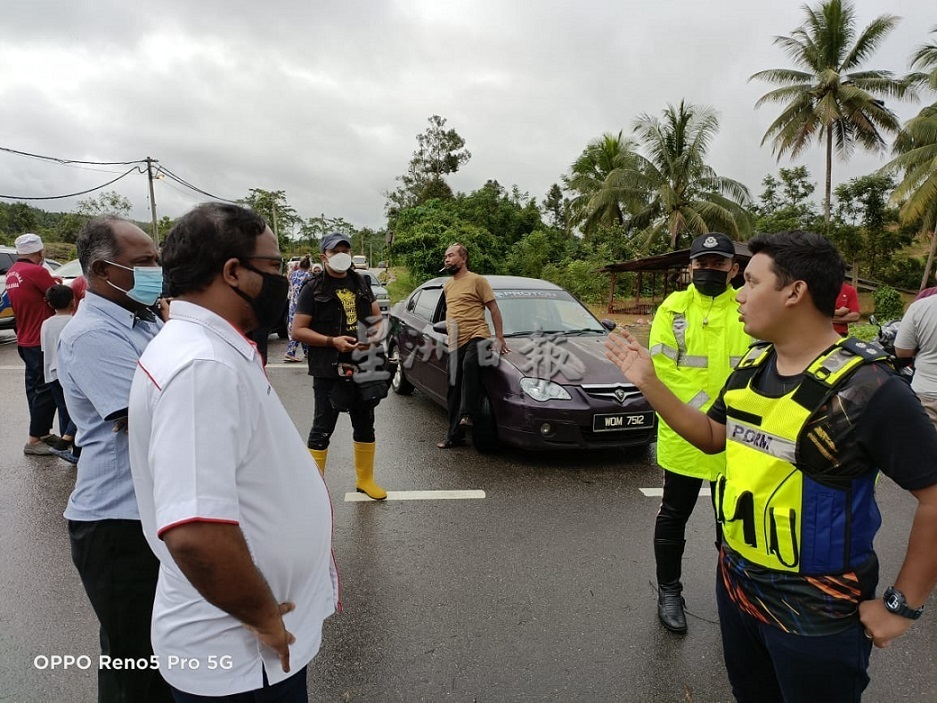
[(541, 591)]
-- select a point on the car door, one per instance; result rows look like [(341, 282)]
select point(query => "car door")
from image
[(415, 340)]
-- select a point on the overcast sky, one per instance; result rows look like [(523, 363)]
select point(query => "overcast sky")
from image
[(324, 99)]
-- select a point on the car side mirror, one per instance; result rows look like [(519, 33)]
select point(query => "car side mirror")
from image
[(609, 324), (440, 327)]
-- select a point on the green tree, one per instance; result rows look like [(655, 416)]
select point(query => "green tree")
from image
[(786, 203), (861, 203), (426, 230), (916, 161), (273, 206), (439, 152), (673, 192), (925, 59), (916, 158), (110, 202), (556, 207), (508, 217), (21, 218), (827, 97), (535, 250), (596, 202)]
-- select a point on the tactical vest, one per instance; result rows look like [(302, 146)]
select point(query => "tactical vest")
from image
[(772, 511), (328, 318)]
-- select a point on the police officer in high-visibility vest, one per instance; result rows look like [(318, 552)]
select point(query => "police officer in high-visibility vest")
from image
[(807, 421), (696, 340)]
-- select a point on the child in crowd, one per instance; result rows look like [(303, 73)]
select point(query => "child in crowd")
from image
[(61, 299)]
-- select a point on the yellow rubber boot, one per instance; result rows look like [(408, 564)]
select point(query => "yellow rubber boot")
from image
[(364, 468), (320, 456)]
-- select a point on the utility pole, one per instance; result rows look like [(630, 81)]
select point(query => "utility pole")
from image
[(149, 175), (276, 233)]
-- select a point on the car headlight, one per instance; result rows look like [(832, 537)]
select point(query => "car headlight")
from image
[(542, 390)]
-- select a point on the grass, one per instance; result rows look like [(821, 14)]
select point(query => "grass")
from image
[(399, 285)]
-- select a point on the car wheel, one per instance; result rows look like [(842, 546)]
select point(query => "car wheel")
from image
[(399, 381), (485, 430)]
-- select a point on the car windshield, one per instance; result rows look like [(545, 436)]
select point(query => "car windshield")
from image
[(72, 269), (551, 311)]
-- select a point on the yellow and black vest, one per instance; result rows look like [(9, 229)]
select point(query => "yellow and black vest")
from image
[(772, 511)]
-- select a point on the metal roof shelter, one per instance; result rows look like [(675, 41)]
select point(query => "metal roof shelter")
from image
[(672, 266)]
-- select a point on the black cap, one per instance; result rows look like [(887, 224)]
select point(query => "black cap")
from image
[(332, 240), (712, 243)]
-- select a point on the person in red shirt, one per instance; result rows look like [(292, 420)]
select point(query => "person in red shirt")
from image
[(847, 309), (27, 282)]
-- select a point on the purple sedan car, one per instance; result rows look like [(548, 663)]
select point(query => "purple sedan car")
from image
[(555, 388)]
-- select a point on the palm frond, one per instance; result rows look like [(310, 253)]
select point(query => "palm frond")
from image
[(868, 40)]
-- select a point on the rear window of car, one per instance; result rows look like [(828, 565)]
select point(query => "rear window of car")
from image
[(6, 261), (424, 305)]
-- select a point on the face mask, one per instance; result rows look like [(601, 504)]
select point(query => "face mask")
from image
[(147, 283), (340, 262), (268, 303), (710, 282), (453, 269)]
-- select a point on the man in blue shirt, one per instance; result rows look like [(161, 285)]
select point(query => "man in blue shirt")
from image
[(97, 355)]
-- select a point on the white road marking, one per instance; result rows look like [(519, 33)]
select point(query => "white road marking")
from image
[(658, 492), (418, 495)]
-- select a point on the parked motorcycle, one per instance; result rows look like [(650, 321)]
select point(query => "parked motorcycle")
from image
[(887, 332)]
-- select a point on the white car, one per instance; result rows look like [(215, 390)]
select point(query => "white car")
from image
[(359, 262)]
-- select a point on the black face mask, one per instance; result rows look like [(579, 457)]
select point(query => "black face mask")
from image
[(451, 270), (710, 282), (268, 303)]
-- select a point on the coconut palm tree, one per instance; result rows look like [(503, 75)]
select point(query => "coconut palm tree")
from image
[(916, 150), (670, 189), (586, 180), (826, 97), (925, 58)]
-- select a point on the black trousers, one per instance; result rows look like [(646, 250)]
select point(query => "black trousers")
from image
[(676, 506), (38, 394), (463, 393), (325, 416), (119, 573)]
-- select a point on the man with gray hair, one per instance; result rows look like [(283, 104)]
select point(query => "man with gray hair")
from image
[(97, 355), (27, 282)]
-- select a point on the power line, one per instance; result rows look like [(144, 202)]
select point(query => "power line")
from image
[(71, 195), (182, 181), (69, 161)]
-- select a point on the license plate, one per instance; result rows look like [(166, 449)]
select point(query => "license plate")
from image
[(616, 422)]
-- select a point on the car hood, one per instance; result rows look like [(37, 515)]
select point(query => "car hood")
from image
[(578, 359)]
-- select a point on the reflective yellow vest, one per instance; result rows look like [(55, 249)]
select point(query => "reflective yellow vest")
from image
[(695, 342), (772, 512)]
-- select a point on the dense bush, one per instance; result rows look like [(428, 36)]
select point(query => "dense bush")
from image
[(581, 278), (903, 273), (888, 303)]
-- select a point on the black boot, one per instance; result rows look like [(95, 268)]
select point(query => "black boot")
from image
[(670, 603), (670, 606)]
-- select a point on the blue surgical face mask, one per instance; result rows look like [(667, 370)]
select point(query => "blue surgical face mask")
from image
[(147, 283)]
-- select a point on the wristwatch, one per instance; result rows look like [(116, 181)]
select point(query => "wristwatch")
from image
[(895, 603)]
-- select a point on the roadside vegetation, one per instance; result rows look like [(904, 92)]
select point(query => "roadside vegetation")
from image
[(649, 187)]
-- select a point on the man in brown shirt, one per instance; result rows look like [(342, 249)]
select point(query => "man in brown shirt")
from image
[(467, 296)]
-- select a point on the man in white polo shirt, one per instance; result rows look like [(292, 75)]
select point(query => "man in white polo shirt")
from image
[(231, 502)]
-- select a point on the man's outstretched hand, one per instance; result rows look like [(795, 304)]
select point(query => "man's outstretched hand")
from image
[(630, 357)]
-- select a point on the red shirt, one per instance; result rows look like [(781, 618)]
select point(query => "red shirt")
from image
[(27, 284), (848, 298)]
